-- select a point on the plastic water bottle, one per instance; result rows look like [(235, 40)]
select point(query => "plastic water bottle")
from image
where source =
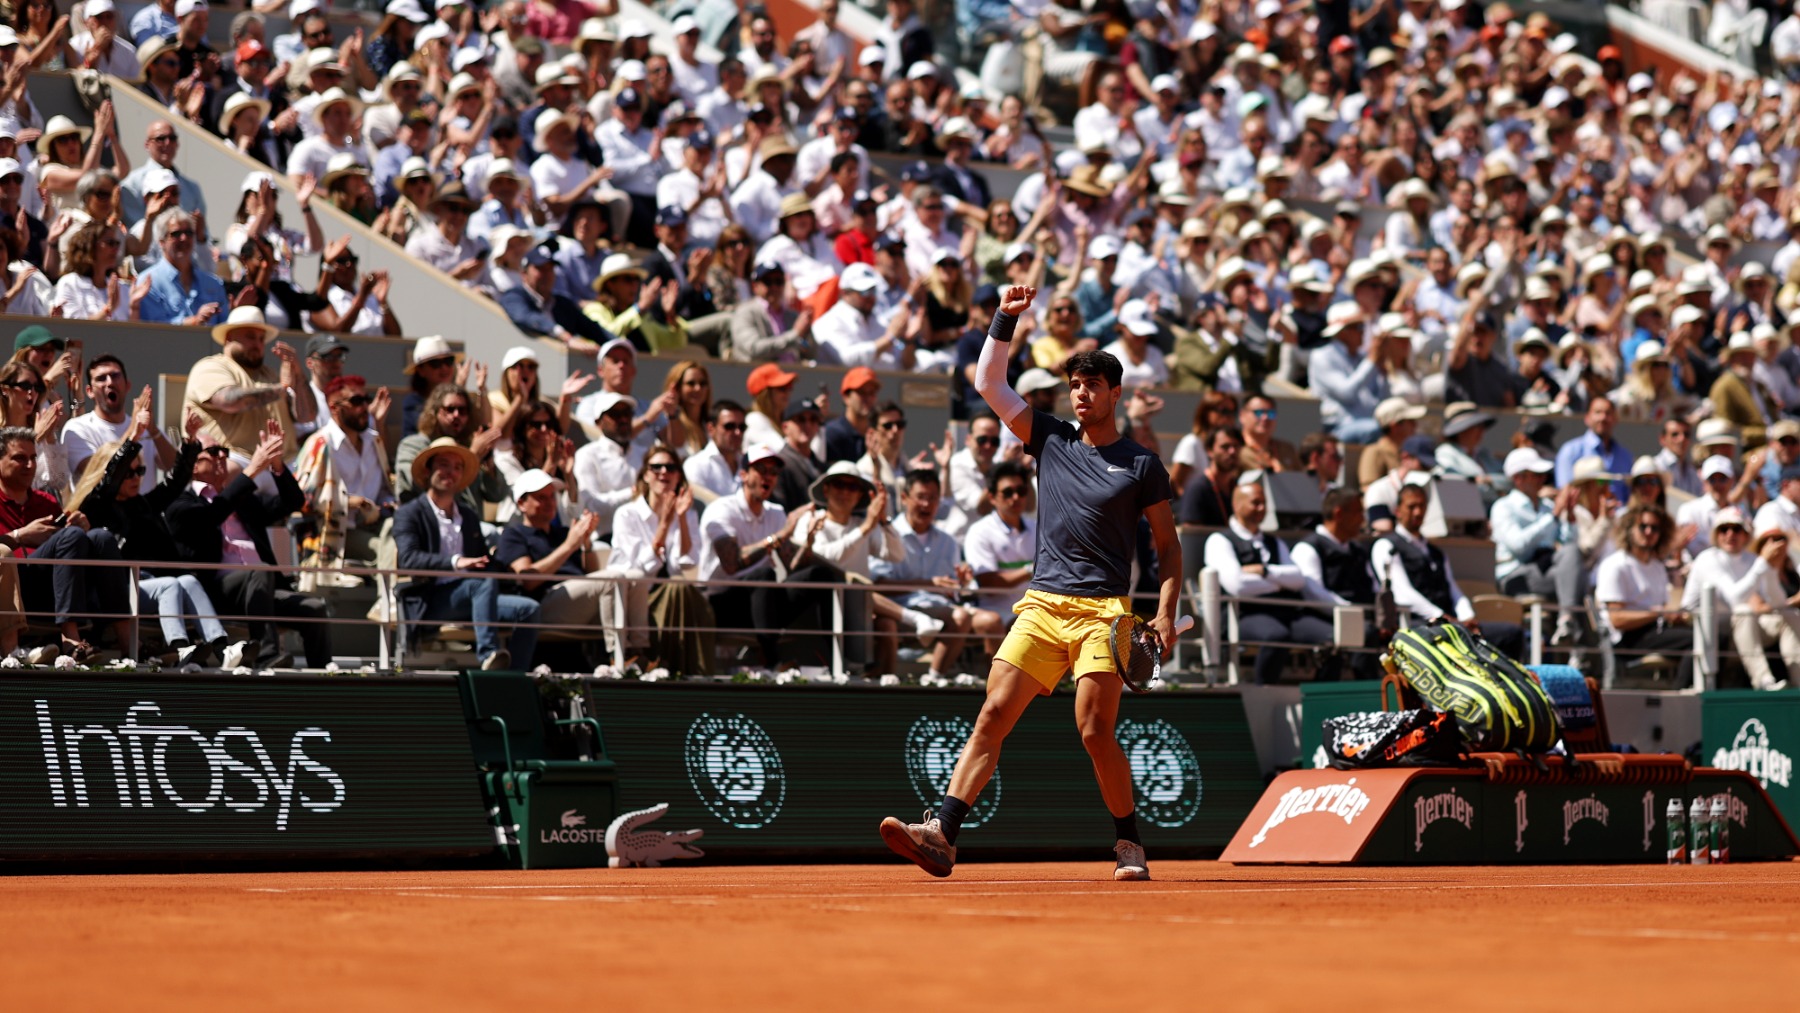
[(1677, 832), (1699, 846), (1721, 830)]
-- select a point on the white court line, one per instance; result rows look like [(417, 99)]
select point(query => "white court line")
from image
[(440, 892)]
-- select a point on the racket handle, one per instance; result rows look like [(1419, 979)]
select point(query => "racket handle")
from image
[(1183, 624)]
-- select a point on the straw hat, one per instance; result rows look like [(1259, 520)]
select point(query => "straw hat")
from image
[(243, 318), (421, 466), (795, 204), (618, 265), (1085, 180), (1592, 469), (60, 126), (332, 97), (238, 102), (344, 163)]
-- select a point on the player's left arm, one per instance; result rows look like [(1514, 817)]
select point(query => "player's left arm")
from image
[(1168, 572)]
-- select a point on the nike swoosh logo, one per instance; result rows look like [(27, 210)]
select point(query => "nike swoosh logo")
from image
[(1115, 468)]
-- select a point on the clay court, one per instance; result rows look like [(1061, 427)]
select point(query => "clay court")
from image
[(995, 936)]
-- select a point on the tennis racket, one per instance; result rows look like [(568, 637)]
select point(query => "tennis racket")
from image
[(1137, 651)]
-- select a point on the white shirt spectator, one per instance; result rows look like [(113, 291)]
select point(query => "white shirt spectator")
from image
[(1382, 558), (121, 62), (1098, 125), (86, 433), (707, 469), (731, 517), (313, 155), (681, 189), (1622, 578), (693, 80), (80, 299), (816, 155), (722, 113), (607, 473), (1730, 578), (851, 335), (846, 547), (757, 204), (1279, 573), (359, 473), (990, 546), (808, 265), (1700, 511), (627, 152), (368, 319), (634, 541), (429, 245)]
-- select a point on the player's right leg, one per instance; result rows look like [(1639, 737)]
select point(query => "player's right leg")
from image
[(931, 844)]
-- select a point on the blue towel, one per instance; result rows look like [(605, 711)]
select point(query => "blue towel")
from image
[(1568, 694)]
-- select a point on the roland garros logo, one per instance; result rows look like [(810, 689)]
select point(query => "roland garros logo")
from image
[(1750, 752), (1164, 772), (931, 749), (1345, 801), (735, 770)]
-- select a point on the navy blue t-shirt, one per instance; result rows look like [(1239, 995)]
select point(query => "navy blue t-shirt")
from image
[(1089, 502)]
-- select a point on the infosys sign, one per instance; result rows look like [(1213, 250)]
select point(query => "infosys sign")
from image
[(131, 767)]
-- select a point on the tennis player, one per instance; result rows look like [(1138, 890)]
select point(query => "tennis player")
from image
[(1094, 485)]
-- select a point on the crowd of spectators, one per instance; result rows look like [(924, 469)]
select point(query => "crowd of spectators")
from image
[(1399, 209)]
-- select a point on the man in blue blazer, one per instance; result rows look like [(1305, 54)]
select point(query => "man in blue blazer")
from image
[(435, 532)]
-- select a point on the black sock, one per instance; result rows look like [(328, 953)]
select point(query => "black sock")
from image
[(1125, 828), (950, 816)]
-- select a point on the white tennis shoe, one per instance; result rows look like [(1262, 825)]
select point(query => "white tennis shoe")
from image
[(923, 844)]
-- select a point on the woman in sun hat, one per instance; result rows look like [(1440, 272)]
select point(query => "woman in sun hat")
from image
[(63, 159)]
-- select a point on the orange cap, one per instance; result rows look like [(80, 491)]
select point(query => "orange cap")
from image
[(768, 375), (856, 379)]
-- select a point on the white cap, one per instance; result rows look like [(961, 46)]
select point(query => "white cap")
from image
[(516, 355), (1036, 378), (10, 167), (1686, 315), (408, 9), (756, 455), (920, 70), (467, 57), (871, 56), (956, 126), (1135, 317), (684, 24), (599, 404), (95, 8), (1016, 250), (532, 481), (253, 181), (157, 179), (1639, 82), (607, 349), (860, 277), (632, 28), (1527, 459), (295, 9), (1202, 30), (1102, 247), (1718, 464), (1267, 8), (185, 7), (1165, 82), (633, 70)]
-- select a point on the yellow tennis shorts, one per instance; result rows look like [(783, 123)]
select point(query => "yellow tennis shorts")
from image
[(1056, 633)]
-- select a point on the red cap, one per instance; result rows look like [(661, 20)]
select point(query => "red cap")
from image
[(1342, 44), (857, 379), (768, 375), (249, 49), (1611, 53), (1491, 32)]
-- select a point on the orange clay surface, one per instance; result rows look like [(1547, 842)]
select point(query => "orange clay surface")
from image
[(1203, 936)]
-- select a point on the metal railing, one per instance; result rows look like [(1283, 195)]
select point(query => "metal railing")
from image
[(387, 583), (1216, 619)]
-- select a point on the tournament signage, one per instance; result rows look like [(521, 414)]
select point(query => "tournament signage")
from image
[(130, 767), (767, 770), (1757, 733)]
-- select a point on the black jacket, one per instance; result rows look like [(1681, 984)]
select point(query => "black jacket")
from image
[(198, 524), (141, 524), (946, 181), (421, 548)]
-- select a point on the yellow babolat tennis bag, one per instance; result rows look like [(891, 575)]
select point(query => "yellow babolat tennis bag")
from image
[(1498, 705)]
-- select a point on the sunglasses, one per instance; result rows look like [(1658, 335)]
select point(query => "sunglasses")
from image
[(459, 409), (346, 261), (734, 427), (665, 467), (357, 401), (103, 194), (987, 441), (541, 424), (1263, 413), (1062, 309), (30, 385), (136, 472), (162, 138), (215, 451), (444, 363), (931, 207), (894, 425), (181, 234), (1010, 492), (1652, 527)]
